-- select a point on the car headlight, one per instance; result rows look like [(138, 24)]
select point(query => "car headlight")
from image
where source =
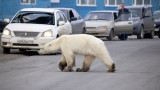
[(47, 33), (6, 32), (103, 27)]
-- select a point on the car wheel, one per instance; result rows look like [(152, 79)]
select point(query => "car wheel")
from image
[(123, 36), (151, 35), (84, 31), (159, 34), (6, 50), (22, 50), (57, 36), (111, 35), (141, 35)]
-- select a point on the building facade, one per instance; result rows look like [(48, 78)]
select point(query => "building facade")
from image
[(9, 7)]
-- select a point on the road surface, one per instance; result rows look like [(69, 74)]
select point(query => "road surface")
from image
[(137, 64)]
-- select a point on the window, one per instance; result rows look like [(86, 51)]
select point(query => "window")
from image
[(148, 12), (62, 15), (86, 2), (55, 1), (141, 2), (99, 16), (29, 2), (59, 17), (34, 18), (76, 14), (113, 2), (135, 12)]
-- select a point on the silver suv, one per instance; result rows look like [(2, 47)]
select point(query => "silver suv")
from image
[(143, 21)]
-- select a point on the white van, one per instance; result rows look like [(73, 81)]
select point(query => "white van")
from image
[(31, 28)]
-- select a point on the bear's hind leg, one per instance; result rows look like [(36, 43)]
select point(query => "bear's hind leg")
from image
[(62, 63), (88, 59), (108, 62)]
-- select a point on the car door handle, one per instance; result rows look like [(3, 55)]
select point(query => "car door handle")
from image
[(130, 23)]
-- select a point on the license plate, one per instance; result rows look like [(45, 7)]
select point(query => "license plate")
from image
[(156, 29), (24, 41)]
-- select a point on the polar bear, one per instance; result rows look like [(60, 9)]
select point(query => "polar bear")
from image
[(87, 45)]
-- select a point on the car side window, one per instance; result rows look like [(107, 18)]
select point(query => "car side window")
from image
[(76, 14), (148, 12), (64, 18), (58, 18)]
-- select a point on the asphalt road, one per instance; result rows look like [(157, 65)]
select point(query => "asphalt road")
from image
[(137, 65)]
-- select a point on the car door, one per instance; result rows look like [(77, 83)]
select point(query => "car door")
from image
[(148, 20), (80, 22), (67, 25), (124, 24), (60, 28), (76, 22)]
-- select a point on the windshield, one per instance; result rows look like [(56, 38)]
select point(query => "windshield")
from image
[(157, 15), (34, 17), (135, 12), (99, 16), (124, 17)]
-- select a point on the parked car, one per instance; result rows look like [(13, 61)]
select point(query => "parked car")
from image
[(106, 24), (31, 28), (77, 22), (2, 25), (143, 21), (157, 22)]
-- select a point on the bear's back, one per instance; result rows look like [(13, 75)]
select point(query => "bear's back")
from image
[(82, 39), (82, 43)]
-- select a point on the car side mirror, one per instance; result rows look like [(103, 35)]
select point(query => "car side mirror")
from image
[(73, 19), (6, 20), (61, 23)]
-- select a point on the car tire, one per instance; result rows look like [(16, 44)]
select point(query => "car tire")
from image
[(84, 31), (57, 36), (159, 34), (6, 50), (141, 34), (111, 35), (123, 36), (151, 35), (22, 50)]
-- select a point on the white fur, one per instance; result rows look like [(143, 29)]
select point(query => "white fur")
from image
[(83, 44)]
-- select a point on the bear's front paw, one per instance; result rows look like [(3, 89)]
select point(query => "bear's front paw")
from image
[(112, 70), (62, 66), (79, 70), (82, 70), (67, 70)]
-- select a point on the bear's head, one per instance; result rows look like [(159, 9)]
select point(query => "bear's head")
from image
[(51, 47), (46, 49)]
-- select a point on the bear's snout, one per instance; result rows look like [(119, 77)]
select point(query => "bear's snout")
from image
[(40, 51)]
